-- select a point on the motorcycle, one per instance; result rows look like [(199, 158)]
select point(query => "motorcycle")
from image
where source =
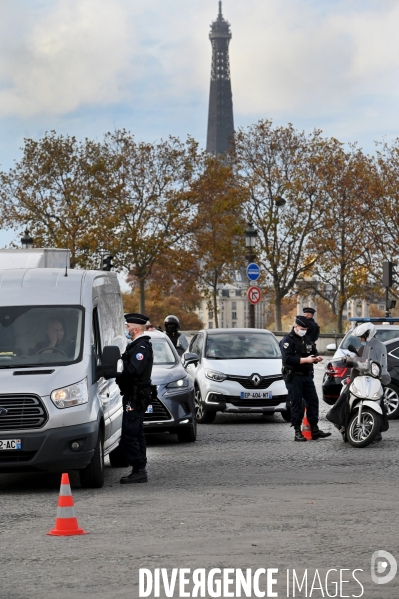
[(358, 413)]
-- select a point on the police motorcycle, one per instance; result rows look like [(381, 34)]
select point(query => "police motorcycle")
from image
[(359, 413)]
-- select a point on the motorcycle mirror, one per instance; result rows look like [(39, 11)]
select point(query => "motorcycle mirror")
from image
[(353, 349)]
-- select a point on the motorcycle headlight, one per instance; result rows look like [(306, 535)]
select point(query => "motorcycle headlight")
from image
[(355, 390), (73, 395), (378, 394), (375, 369), (213, 375), (179, 384)]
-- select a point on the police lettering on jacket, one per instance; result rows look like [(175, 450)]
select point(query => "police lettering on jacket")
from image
[(293, 348)]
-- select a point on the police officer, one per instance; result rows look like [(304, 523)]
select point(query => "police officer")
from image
[(135, 386), (172, 326), (313, 327), (299, 355)]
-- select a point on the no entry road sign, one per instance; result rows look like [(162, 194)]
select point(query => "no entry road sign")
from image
[(253, 271), (254, 295)]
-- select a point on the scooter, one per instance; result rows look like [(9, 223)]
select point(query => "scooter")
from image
[(363, 409)]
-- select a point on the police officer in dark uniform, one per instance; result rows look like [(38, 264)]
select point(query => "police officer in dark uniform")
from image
[(313, 327), (135, 385), (299, 354)]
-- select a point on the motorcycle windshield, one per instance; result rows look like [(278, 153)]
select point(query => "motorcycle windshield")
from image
[(374, 351)]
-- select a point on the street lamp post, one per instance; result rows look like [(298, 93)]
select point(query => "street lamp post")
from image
[(251, 235), (26, 241)]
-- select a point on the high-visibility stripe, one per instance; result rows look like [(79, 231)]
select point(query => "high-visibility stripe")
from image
[(65, 489), (68, 524), (65, 512), (65, 501), (65, 479)]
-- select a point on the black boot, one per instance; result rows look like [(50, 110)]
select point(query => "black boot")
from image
[(136, 476), (298, 434), (317, 433)]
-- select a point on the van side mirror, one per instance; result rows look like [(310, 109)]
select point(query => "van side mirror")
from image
[(111, 363), (189, 358)]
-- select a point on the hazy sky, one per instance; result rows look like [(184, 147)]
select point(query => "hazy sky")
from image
[(85, 67)]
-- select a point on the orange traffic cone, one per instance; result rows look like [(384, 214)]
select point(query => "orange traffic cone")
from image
[(306, 430), (66, 523)]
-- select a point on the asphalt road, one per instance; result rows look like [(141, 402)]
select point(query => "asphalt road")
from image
[(244, 496)]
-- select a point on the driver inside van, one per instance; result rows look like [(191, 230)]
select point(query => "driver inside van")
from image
[(56, 341)]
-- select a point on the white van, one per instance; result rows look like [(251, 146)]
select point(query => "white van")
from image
[(60, 408)]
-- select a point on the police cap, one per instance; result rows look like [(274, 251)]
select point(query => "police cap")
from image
[(136, 318), (309, 311), (302, 321)]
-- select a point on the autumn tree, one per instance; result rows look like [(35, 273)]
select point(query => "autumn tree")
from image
[(216, 242), (279, 167), (50, 191), (342, 240), (148, 209)]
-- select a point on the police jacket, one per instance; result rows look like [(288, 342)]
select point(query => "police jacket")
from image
[(313, 330), (293, 348), (137, 365)]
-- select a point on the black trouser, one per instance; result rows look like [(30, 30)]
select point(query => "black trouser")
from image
[(133, 438), (301, 387)]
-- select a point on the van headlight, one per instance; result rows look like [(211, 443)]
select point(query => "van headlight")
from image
[(213, 375), (73, 395)]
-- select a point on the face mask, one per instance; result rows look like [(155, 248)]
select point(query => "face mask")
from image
[(128, 335), (301, 332), (363, 343)]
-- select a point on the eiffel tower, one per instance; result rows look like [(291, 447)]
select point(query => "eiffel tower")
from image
[(220, 116)]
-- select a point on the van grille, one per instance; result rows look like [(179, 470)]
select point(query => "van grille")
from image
[(23, 412), (16, 456)]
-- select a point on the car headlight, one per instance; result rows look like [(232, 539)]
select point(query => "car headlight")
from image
[(180, 384), (375, 369), (73, 395), (213, 375)]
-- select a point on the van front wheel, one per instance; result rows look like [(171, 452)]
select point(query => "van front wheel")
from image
[(92, 477)]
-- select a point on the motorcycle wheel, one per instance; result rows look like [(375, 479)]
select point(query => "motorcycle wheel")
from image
[(363, 435)]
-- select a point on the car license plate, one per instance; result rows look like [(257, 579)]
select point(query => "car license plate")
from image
[(149, 410), (256, 395), (10, 444)]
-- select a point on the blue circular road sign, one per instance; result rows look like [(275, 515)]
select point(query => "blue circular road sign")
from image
[(253, 272)]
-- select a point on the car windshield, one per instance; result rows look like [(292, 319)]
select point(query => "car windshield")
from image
[(40, 335), (381, 334), (241, 346), (163, 354)]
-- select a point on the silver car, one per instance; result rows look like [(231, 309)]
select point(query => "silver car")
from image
[(239, 370)]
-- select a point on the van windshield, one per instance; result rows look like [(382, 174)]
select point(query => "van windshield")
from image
[(40, 335)]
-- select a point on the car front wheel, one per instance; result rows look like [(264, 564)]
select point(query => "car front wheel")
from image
[(391, 400), (188, 435), (202, 415)]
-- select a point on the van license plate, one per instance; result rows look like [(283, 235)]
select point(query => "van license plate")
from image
[(256, 395), (10, 444)]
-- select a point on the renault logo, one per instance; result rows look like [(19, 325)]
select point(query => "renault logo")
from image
[(255, 378), (3, 412)]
